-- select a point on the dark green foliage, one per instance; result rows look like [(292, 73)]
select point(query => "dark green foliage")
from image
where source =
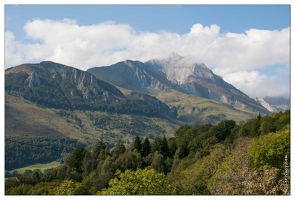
[(160, 145), (90, 162), (233, 136), (273, 123), (259, 116), (101, 146), (182, 149), (222, 129), (251, 128), (267, 125), (283, 120), (75, 159), (96, 181), (16, 82), (191, 139), (146, 147), (164, 148), (137, 144), (255, 127), (59, 173), (21, 151), (172, 145), (181, 130), (129, 160), (36, 175), (156, 145)]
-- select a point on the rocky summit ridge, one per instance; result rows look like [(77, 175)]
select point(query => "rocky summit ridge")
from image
[(184, 74)]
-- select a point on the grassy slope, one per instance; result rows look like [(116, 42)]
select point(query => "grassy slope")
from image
[(25, 118), (193, 109), (196, 109)]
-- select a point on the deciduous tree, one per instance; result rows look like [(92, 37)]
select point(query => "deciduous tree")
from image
[(139, 182)]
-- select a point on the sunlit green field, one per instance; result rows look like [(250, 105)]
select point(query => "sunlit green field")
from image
[(40, 167)]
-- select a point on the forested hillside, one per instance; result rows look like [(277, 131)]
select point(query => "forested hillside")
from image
[(249, 158)]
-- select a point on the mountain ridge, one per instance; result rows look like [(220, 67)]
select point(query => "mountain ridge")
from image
[(51, 100), (59, 86), (179, 73)]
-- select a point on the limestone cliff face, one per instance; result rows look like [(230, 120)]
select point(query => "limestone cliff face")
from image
[(81, 81), (34, 80), (90, 85), (108, 97), (178, 69), (137, 76), (130, 75), (81, 78), (266, 105)]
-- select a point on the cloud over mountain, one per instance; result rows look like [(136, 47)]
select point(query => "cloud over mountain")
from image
[(231, 55)]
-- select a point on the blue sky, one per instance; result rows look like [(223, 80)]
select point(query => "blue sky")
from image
[(248, 45), (173, 18)]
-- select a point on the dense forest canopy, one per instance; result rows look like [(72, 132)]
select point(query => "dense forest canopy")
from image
[(248, 158)]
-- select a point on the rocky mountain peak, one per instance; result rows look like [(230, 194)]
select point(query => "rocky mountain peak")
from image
[(173, 56), (179, 69)]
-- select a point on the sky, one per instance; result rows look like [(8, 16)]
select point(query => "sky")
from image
[(248, 45)]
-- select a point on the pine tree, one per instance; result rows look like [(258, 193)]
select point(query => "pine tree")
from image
[(75, 159), (259, 116), (101, 146), (164, 148), (137, 144), (156, 145), (146, 147)]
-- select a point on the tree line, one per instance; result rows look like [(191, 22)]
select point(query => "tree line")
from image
[(21, 151), (250, 158)]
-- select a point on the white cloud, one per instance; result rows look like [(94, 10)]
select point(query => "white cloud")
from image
[(229, 54), (256, 84), (198, 30), (256, 48), (12, 54)]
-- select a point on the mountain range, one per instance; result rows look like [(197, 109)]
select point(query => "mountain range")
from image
[(175, 72), (117, 102)]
